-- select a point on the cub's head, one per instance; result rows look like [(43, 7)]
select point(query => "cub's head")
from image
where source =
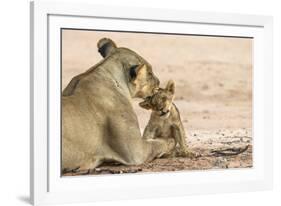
[(161, 101)]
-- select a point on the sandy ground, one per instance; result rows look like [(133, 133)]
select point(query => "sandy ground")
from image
[(213, 78)]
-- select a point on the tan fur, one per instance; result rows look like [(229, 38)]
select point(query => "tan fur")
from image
[(98, 120), (165, 121)]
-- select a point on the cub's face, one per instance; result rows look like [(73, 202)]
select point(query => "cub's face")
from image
[(161, 101)]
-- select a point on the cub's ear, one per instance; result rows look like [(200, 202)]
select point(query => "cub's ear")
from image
[(145, 104), (106, 47), (137, 72), (171, 86)]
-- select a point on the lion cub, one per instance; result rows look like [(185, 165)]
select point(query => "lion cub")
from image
[(165, 121)]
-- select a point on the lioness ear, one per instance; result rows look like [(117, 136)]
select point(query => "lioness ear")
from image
[(106, 47), (171, 86), (145, 104), (137, 71)]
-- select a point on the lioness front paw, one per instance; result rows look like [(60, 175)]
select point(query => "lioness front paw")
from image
[(171, 144), (186, 153)]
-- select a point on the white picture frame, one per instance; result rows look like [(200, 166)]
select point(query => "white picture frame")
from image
[(47, 186)]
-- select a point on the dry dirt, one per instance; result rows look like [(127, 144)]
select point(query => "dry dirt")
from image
[(213, 78)]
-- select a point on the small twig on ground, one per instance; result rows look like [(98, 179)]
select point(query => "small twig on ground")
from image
[(228, 151)]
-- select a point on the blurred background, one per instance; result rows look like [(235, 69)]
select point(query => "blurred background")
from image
[(213, 75)]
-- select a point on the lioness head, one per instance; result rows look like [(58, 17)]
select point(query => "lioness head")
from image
[(161, 101), (142, 81), (140, 77)]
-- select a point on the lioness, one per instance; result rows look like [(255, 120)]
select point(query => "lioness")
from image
[(165, 121), (98, 120)]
